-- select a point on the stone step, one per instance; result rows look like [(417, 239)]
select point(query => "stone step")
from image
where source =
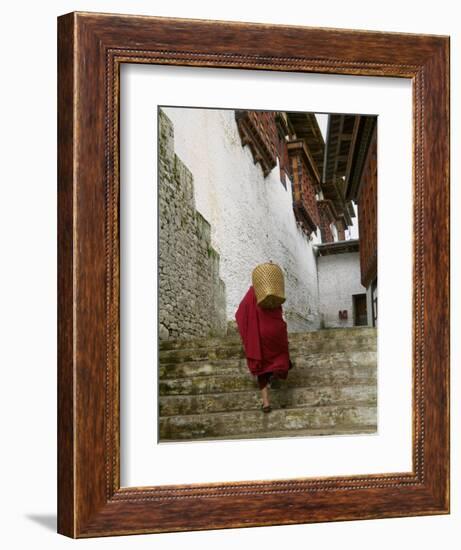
[(238, 366), (298, 377), (239, 423), (284, 396), (359, 343), (272, 434), (214, 342)]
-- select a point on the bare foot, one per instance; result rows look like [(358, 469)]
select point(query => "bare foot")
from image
[(265, 396)]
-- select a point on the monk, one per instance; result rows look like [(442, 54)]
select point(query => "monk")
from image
[(265, 341)]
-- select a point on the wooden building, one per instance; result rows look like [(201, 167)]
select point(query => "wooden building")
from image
[(328, 177)]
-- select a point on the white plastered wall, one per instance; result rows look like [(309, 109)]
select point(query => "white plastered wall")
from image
[(339, 280), (251, 216)]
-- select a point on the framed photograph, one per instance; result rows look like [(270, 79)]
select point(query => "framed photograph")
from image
[(253, 252)]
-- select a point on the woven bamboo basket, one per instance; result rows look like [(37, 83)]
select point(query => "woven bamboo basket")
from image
[(269, 285)]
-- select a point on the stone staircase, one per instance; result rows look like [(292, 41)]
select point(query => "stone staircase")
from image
[(207, 392)]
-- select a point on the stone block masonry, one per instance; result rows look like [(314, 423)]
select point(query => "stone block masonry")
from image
[(192, 300)]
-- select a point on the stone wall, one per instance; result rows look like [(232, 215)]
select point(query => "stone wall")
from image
[(192, 299)]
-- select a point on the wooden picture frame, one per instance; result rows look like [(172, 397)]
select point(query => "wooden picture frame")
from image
[(91, 49)]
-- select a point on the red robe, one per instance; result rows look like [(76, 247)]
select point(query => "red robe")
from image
[(264, 336)]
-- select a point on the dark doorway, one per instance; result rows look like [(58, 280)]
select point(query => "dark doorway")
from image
[(360, 310), (374, 302)]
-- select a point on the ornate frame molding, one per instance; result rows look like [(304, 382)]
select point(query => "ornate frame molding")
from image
[(91, 49)]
